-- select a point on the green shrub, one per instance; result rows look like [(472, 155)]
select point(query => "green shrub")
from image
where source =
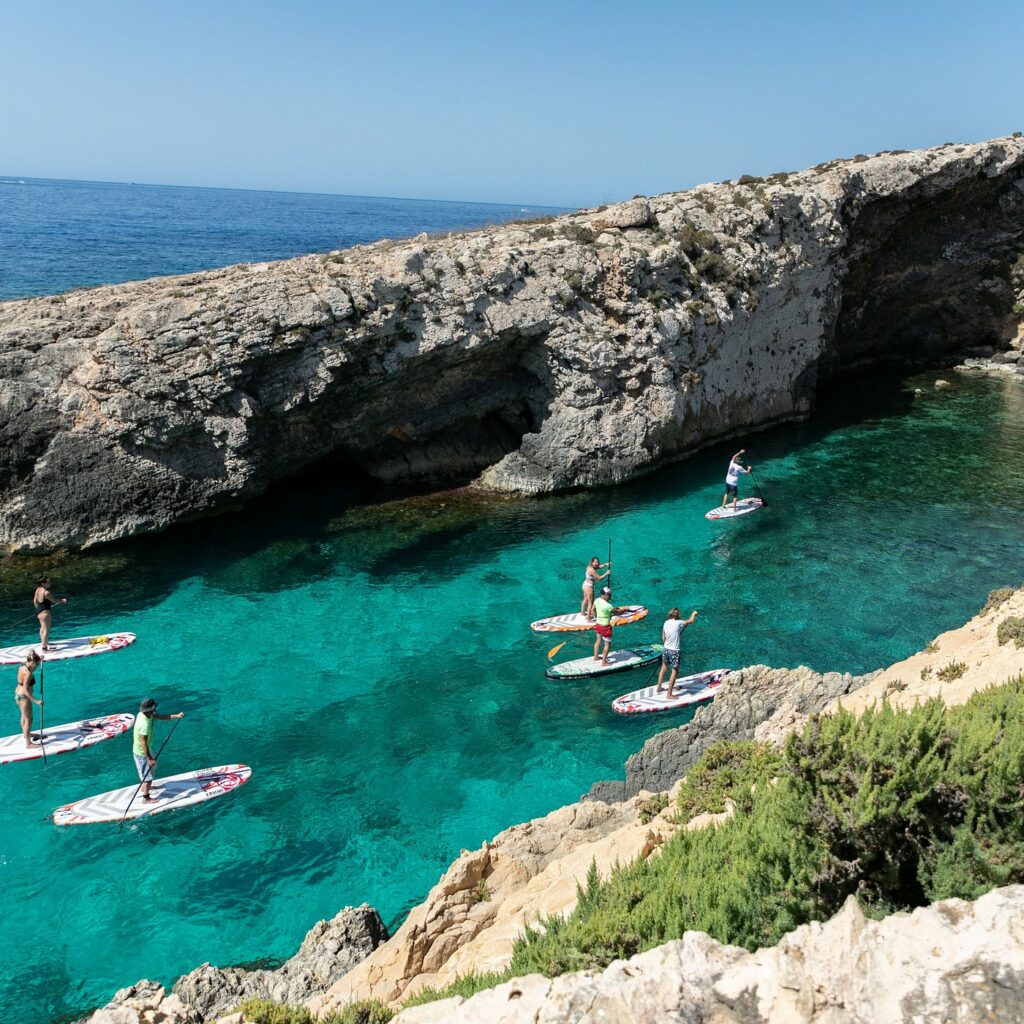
[(931, 647), (465, 987), (578, 232), (954, 670), (651, 807), (366, 1011), (265, 1011), (996, 599), (729, 770), (926, 672), (1011, 628)]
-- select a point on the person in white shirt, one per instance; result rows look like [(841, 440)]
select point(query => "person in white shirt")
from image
[(671, 634), (732, 478)]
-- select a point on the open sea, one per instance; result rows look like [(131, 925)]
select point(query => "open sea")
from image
[(57, 235), (374, 663)]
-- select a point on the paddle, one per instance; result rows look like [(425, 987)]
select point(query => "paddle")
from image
[(139, 786), (758, 489), (554, 650), (42, 719)]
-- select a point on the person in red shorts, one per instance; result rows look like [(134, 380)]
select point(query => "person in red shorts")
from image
[(604, 611)]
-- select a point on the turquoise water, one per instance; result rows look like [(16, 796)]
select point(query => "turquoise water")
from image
[(375, 668)]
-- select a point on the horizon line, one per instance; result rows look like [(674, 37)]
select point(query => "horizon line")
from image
[(286, 192)]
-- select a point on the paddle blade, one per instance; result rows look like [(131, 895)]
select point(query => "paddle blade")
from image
[(556, 649)]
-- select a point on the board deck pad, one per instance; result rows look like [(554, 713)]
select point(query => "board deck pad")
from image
[(618, 661), (578, 623), (688, 690), (65, 739), (76, 647), (171, 793), (743, 508)]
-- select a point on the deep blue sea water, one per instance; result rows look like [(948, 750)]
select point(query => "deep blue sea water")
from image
[(375, 667), (57, 235)]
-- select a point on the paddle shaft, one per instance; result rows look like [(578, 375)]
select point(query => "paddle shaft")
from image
[(609, 584), (42, 710), (753, 480), (139, 786)]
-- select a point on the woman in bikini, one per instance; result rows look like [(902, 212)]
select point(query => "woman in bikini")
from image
[(593, 574), (43, 601), (23, 695)]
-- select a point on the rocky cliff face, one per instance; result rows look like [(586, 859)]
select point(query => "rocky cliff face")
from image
[(753, 702), (952, 961), (527, 357)]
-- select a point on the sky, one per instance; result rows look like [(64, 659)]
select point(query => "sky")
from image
[(557, 103)]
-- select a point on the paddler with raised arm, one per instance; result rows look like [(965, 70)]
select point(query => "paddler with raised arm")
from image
[(732, 478), (142, 743), (603, 611), (42, 602)]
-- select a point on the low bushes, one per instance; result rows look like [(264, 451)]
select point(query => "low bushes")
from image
[(897, 807)]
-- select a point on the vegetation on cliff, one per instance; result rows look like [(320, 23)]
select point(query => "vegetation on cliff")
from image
[(898, 807)]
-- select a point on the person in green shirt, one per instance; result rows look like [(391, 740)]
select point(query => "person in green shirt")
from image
[(603, 611), (142, 743)]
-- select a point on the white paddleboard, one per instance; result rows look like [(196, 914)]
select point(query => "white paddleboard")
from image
[(63, 739), (688, 690), (743, 508), (618, 661), (171, 793), (77, 647), (577, 623)]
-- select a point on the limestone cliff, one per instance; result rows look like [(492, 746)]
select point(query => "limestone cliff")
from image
[(528, 357)]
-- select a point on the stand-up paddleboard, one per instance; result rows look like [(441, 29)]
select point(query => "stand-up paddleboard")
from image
[(171, 793), (577, 623), (77, 647), (618, 661), (743, 508), (63, 739), (688, 690)]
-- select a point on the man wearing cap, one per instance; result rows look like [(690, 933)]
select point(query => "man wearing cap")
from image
[(142, 739), (603, 611)]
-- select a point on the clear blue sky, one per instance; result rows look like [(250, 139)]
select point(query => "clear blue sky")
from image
[(565, 103)]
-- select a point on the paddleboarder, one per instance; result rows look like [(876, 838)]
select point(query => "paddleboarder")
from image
[(671, 634), (142, 743), (732, 478), (24, 697), (603, 611), (43, 601), (593, 575)]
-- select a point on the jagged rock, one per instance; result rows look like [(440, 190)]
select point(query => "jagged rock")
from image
[(942, 385), (951, 962), (146, 1002), (745, 701), (528, 358), (329, 950)]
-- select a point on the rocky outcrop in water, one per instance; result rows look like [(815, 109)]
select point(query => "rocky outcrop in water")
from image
[(329, 950), (752, 703), (528, 357), (951, 962)]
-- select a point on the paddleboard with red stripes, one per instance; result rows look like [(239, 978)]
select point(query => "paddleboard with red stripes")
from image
[(577, 623), (60, 650), (65, 739), (687, 690), (171, 793)]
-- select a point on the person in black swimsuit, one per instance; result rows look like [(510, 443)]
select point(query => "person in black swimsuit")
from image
[(43, 601)]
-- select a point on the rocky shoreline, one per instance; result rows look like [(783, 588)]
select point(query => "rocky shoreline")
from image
[(471, 918), (525, 358)]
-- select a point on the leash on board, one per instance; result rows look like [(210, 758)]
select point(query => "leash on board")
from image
[(141, 781)]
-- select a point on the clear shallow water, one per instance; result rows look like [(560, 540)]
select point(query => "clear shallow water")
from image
[(376, 669), (72, 234)]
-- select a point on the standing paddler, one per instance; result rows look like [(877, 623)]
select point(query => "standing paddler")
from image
[(142, 743), (25, 698), (42, 602), (592, 576), (603, 611), (732, 478), (671, 637)]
